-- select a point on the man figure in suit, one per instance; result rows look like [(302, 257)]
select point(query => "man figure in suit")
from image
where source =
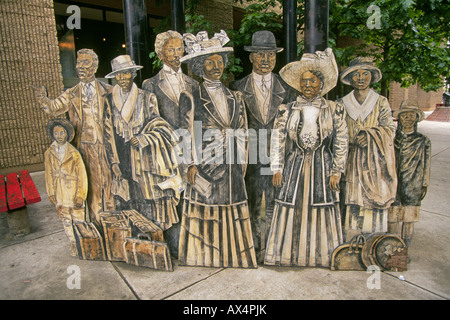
[(167, 86), (93, 131), (263, 91)]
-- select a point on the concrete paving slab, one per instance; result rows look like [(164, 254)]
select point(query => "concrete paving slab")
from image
[(286, 283), (42, 268), (151, 284)]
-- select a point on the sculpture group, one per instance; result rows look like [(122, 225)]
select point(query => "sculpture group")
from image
[(266, 171)]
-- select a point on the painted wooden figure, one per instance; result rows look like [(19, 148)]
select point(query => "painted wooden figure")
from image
[(413, 157), (167, 85), (263, 91), (65, 177), (94, 136), (370, 180), (146, 146), (215, 229), (306, 225)]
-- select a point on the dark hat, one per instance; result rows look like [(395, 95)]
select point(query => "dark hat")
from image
[(63, 123), (409, 105), (263, 41)]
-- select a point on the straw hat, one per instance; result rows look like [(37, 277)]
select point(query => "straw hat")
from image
[(322, 61), (359, 63), (200, 45), (263, 41), (122, 63), (52, 123), (409, 105)]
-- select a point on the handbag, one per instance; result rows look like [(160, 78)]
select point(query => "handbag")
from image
[(348, 255)]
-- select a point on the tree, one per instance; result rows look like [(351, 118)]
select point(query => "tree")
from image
[(408, 39)]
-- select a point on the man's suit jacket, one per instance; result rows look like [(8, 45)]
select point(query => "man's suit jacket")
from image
[(70, 102), (281, 94), (168, 103)]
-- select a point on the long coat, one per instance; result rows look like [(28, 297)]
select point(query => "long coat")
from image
[(167, 100), (226, 171), (65, 179), (412, 157)]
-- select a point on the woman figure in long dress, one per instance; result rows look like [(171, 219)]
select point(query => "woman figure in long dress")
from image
[(312, 132), (215, 227)]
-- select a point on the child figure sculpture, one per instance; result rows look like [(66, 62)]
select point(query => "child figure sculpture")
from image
[(412, 157), (65, 177)]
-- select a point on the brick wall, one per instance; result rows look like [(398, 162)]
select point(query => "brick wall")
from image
[(29, 55), (427, 100)]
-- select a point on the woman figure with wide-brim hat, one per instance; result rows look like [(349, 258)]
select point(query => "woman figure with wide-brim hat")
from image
[(215, 227), (370, 181), (413, 163), (306, 225), (145, 144)]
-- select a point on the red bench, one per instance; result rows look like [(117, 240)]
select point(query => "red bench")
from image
[(17, 190)]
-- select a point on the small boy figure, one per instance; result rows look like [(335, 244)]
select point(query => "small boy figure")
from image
[(412, 155), (65, 177)]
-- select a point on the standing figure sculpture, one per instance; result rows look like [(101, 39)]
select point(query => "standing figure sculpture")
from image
[(65, 177), (413, 162), (215, 228), (263, 91), (146, 148), (306, 225), (94, 136), (167, 85), (370, 180)]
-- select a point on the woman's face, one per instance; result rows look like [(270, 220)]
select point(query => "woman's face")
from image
[(59, 134), (310, 85), (361, 79), (213, 68)]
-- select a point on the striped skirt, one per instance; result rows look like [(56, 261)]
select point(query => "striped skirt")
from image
[(303, 235), (216, 236), (364, 220)]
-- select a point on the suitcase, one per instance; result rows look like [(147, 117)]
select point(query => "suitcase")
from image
[(144, 252), (348, 256), (115, 230), (89, 242), (140, 224), (387, 251)]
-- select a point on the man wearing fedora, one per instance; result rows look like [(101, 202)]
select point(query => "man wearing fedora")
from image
[(65, 177), (412, 158), (93, 130), (145, 144), (263, 91), (370, 180)]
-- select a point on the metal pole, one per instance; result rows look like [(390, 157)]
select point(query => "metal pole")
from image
[(178, 18), (136, 36), (290, 30), (316, 25)]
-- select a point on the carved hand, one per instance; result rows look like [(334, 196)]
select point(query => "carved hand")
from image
[(334, 183), (361, 139), (52, 199), (41, 96), (424, 193), (135, 142), (192, 171), (78, 202), (116, 171), (277, 179)]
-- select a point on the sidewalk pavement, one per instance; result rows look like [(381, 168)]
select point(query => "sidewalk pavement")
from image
[(39, 266)]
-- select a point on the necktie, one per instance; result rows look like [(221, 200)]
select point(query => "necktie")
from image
[(263, 86), (89, 92)]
